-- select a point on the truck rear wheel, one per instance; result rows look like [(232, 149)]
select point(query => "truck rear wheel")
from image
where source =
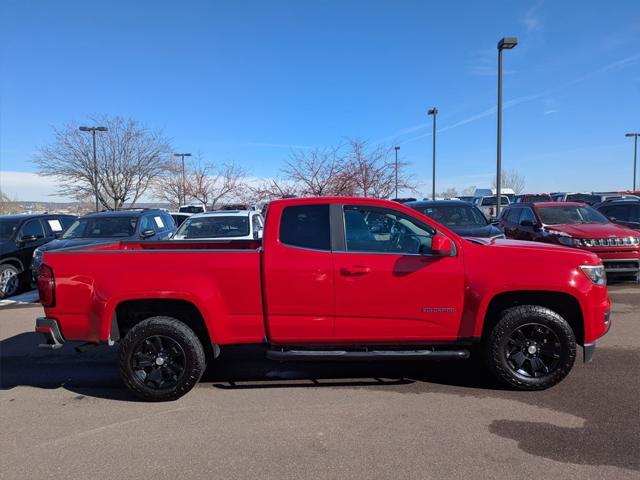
[(161, 359), (530, 348)]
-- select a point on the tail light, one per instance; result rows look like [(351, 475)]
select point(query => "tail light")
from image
[(490, 210), (46, 286)]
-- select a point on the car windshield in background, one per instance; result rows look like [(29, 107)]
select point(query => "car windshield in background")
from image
[(538, 198), (583, 197), (214, 227), (191, 209), (7, 227), (563, 215), (456, 215), (489, 201), (104, 227)]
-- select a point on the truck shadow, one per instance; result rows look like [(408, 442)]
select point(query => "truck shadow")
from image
[(605, 393), (95, 372)]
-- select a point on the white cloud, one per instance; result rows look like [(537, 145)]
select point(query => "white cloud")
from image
[(29, 186)]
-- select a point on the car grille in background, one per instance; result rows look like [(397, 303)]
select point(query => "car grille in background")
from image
[(611, 242)]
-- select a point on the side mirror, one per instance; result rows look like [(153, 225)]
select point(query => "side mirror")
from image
[(147, 233), (441, 245)]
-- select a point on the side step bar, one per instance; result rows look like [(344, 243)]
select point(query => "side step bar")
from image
[(346, 355)]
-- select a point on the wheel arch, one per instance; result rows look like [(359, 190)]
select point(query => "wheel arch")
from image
[(16, 262), (128, 313), (564, 304)]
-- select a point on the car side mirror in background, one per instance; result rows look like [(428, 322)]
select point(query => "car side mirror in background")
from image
[(441, 245), (147, 233)]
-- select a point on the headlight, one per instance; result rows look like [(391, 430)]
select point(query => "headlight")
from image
[(595, 273), (568, 240)]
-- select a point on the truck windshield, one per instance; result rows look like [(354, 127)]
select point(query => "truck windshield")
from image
[(564, 215), (104, 227), (582, 197), (7, 227), (456, 215), (220, 226)]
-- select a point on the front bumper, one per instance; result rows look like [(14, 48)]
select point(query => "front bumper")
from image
[(589, 349), (51, 331)]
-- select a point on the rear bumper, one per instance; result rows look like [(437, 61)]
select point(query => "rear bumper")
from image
[(51, 331)]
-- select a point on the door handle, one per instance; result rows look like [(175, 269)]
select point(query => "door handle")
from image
[(355, 270)]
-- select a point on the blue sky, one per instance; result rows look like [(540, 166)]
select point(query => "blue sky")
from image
[(246, 81)]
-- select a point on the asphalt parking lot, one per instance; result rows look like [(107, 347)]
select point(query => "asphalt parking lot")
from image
[(66, 415)]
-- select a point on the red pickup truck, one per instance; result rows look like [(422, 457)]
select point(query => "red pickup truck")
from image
[(332, 279)]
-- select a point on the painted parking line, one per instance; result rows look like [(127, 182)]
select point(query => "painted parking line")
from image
[(21, 299)]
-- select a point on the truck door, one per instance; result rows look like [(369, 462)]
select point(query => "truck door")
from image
[(298, 275), (388, 286)]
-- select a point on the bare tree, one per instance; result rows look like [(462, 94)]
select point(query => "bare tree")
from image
[(211, 184), (167, 186), (129, 158), (449, 193), (511, 179), (319, 172), (8, 205), (469, 190), (372, 171), (274, 189)]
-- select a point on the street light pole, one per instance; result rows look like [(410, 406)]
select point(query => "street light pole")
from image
[(397, 148), (184, 188), (505, 43), (93, 131), (434, 111), (635, 157)]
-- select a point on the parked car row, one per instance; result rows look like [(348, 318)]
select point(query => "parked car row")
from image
[(611, 229), (25, 238)]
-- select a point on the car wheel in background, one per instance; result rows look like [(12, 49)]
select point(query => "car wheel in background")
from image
[(9, 280), (161, 359)]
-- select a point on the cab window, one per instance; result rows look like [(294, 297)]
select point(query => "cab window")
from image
[(381, 230), (306, 226)]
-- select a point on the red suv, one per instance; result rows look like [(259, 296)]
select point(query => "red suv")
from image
[(576, 225)]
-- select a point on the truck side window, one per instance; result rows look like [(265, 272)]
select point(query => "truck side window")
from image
[(370, 229), (306, 226)]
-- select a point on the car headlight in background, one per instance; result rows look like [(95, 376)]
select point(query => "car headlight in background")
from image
[(568, 240), (595, 273)]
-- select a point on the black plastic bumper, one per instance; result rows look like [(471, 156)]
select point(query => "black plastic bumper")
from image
[(51, 331)]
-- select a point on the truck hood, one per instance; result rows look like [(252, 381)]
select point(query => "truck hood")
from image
[(593, 230), (532, 247)]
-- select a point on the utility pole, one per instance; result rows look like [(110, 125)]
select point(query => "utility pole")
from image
[(635, 157), (506, 43), (397, 148), (93, 131), (184, 188), (434, 112)]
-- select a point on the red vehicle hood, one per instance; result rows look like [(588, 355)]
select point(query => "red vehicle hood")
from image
[(594, 230)]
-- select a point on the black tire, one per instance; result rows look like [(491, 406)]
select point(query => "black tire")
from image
[(10, 280), (530, 348), (161, 359)]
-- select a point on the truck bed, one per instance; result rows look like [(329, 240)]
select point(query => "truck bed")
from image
[(221, 278)]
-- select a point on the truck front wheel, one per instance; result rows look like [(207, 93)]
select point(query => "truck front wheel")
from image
[(161, 359), (530, 348)]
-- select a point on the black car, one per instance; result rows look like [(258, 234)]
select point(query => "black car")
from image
[(463, 218), (624, 212), (20, 235), (104, 227)]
